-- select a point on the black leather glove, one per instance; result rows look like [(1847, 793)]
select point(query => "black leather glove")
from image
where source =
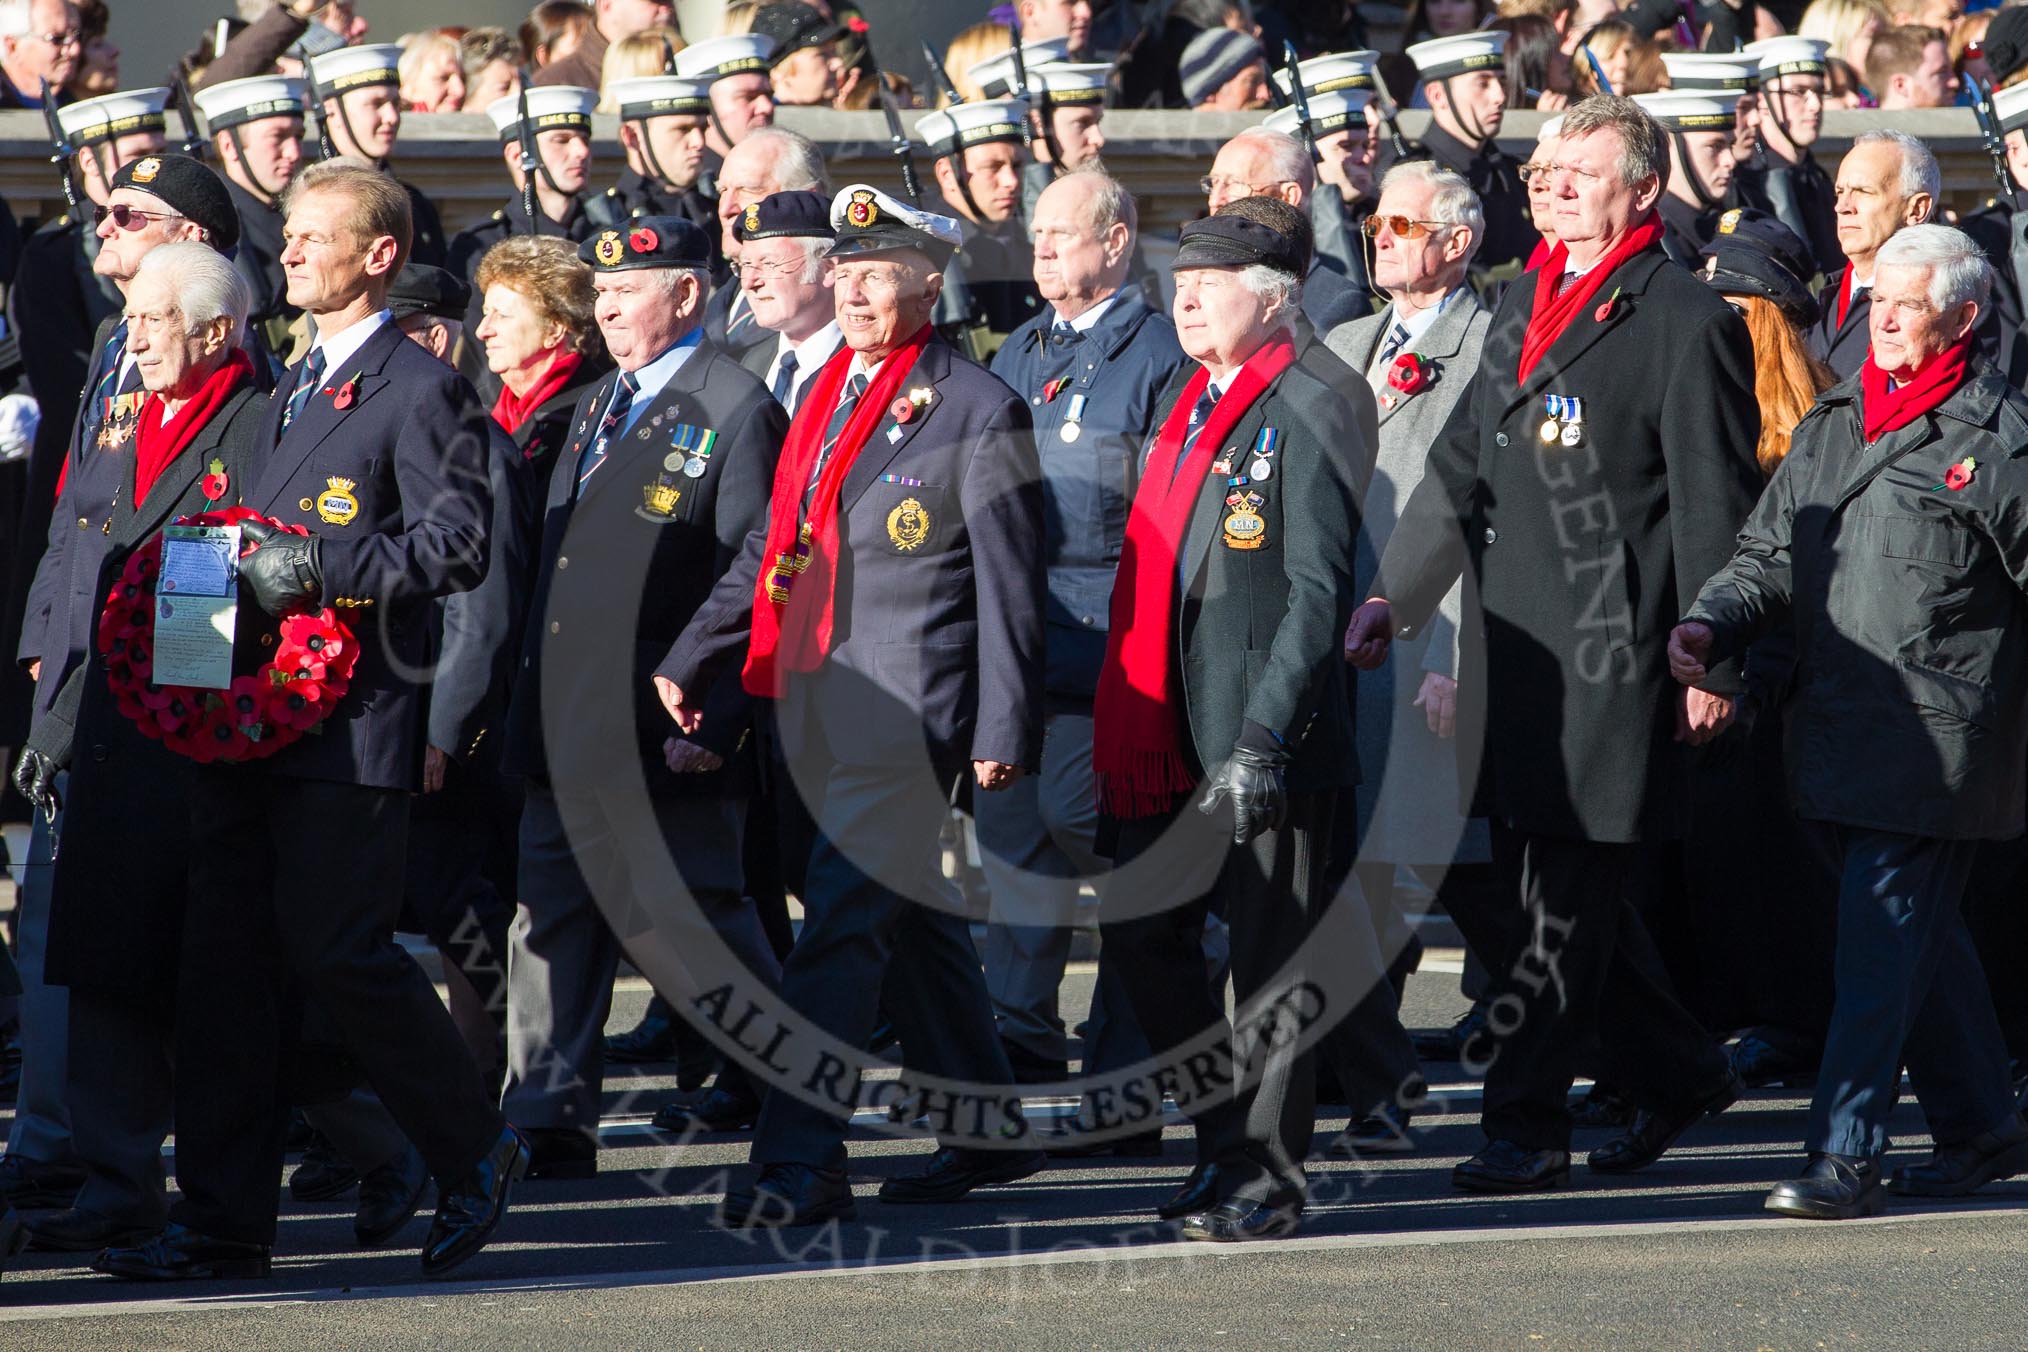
[(1260, 800), (35, 776), (284, 570)]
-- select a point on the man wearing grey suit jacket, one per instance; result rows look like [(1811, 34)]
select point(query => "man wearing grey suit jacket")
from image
[(1418, 355)]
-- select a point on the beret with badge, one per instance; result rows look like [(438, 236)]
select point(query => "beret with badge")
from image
[(648, 242), (868, 221), (805, 215), (192, 190)]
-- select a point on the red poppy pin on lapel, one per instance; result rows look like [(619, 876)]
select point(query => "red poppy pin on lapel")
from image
[(1605, 311), (214, 482), (1958, 477), (347, 394)]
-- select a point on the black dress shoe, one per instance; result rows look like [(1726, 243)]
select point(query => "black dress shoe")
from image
[(1198, 1193), (561, 1152), (1448, 1044), (388, 1197), (323, 1175), (81, 1231), (718, 1111), (180, 1254), (1832, 1188), (29, 1185), (1234, 1220), (953, 1172), (1032, 1069), (1763, 1057), (652, 1039), (1375, 1135), (1962, 1169), (1504, 1166), (299, 1135), (1602, 1106), (789, 1196), (468, 1211), (1142, 1145), (1654, 1132)]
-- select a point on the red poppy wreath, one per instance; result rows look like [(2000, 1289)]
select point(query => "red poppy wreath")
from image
[(258, 714)]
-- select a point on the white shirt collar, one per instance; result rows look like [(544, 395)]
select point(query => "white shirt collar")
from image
[(1417, 323), (1085, 322), (342, 346), (811, 353)]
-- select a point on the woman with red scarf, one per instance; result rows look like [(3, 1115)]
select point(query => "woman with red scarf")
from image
[(1220, 733), (541, 340), (117, 891)]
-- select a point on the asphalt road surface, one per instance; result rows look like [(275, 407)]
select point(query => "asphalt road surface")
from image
[(1681, 1256)]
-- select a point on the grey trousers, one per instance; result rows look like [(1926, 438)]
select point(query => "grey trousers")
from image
[(41, 1130)]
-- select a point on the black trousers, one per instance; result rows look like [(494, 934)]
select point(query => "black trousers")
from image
[(1270, 892), (295, 889), (463, 846), (1578, 965)]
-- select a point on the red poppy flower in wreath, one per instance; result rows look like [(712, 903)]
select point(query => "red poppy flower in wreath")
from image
[(644, 239), (1411, 374)]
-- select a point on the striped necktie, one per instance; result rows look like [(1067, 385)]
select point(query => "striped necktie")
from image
[(594, 455), (307, 380), (1397, 338), (785, 380), (1200, 416), (855, 390), (738, 318)]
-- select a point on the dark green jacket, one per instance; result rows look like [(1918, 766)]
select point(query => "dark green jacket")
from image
[(1906, 598)]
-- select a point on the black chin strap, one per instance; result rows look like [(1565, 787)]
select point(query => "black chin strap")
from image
[(1697, 184), (1471, 125), (957, 163), (647, 157), (246, 166)]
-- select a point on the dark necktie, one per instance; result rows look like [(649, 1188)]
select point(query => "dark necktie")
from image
[(738, 318), (115, 353), (594, 455), (785, 379), (307, 380), (1199, 417), (855, 390), (1397, 338)]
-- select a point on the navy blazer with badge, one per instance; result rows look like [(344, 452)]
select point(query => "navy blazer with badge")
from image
[(623, 568), (937, 644), (1114, 377), (396, 487)]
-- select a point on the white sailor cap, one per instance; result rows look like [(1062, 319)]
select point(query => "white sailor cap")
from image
[(1332, 112), (1690, 109), (1734, 71), (1328, 74), (868, 221), (92, 121), (660, 96), (356, 67), (715, 58), (549, 107), (238, 102), (1459, 54), (995, 75), (1067, 82), (1551, 128), (952, 130), (1789, 55), (2010, 105)]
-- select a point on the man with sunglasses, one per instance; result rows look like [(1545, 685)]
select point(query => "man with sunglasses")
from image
[(1788, 182), (1464, 79), (41, 43)]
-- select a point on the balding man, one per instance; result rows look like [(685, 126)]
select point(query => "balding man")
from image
[(1092, 367), (769, 160), (1260, 162), (1887, 182)]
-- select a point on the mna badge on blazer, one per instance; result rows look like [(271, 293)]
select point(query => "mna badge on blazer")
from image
[(337, 505)]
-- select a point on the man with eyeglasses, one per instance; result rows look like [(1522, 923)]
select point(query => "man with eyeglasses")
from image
[(769, 160), (1788, 182), (41, 43), (1264, 163), (1464, 79)]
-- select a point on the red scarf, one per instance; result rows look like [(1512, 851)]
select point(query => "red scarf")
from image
[(157, 443), (1137, 743), (1844, 295), (1885, 410), (792, 631), (1553, 313), (1538, 255), (511, 412)]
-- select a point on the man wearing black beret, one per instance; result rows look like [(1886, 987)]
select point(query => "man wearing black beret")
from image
[(1236, 568), (667, 471)]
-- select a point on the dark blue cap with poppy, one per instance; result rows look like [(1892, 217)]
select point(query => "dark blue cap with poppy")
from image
[(648, 242)]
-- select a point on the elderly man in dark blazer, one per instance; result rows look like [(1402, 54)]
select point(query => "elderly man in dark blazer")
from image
[(1223, 691), (893, 610), (1588, 499), (666, 473), (1892, 540), (379, 451)]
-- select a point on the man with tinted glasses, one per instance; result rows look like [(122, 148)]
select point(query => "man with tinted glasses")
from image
[(40, 43), (1788, 181)]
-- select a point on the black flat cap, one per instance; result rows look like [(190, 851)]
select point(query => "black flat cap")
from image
[(1226, 241), (794, 25), (194, 192), (799, 214), (420, 289), (648, 242), (1754, 254), (2006, 42)]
